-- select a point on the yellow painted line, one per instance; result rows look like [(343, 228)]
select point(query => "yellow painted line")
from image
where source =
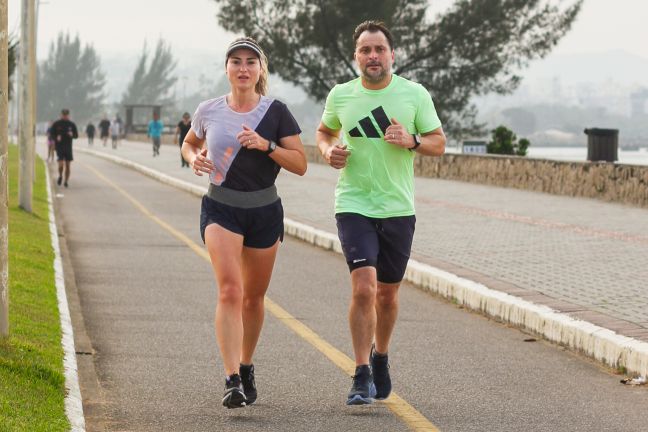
[(177, 234), (414, 419)]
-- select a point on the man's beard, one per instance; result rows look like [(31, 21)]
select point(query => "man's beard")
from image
[(376, 78)]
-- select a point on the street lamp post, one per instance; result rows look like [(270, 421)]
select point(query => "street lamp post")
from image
[(27, 89), (4, 165)]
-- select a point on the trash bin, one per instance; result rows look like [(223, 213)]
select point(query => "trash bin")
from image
[(602, 144)]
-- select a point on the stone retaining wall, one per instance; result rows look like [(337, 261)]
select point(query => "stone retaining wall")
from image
[(625, 184)]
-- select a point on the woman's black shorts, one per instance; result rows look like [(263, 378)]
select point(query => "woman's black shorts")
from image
[(381, 243), (259, 226)]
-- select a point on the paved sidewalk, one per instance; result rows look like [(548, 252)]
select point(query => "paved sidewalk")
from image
[(582, 257)]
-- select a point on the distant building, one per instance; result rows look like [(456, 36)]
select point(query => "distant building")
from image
[(474, 147)]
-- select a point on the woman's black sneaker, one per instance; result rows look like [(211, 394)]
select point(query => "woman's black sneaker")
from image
[(363, 389), (380, 369), (234, 396), (249, 386)]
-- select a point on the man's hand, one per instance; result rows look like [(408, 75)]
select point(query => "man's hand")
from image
[(397, 134), (336, 156)]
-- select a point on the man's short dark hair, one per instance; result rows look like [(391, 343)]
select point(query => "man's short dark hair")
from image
[(65, 111), (372, 27)]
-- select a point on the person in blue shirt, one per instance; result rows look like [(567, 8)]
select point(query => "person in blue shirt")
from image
[(155, 127)]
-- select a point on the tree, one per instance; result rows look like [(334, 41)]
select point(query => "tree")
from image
[(71, 77), (504, 141), (474, 48), (152, 83)]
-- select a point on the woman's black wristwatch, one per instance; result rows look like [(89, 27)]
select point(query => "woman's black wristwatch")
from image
[(417, 142), (271, 147)]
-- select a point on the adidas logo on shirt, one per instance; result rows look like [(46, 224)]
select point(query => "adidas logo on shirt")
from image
[(367, 126)]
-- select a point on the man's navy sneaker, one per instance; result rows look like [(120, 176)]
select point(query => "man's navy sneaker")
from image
[(234, 396), (249, 386), (380, 370), (363, 389)]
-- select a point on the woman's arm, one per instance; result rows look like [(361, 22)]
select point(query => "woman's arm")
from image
[(194, 153), (290, 155)]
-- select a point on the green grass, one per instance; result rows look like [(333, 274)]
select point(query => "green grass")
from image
[(32, 389)]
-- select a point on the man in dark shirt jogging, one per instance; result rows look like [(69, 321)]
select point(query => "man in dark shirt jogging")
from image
[(63, 132)]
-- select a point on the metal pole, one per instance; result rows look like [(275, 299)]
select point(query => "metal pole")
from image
[(34, 83), (4, 177), (26, 110), (15, 101)]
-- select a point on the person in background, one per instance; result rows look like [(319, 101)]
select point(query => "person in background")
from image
[(181, 132), (104, 129), (115, 132), (64, 131), (90, 132), (51, 143), (155, 128)]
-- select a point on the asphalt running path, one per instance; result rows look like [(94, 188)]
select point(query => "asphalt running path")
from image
[(148, 302)]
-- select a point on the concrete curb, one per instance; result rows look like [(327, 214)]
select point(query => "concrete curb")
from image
[(601, 344), (73, 400)]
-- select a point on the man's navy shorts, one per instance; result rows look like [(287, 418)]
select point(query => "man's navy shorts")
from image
[(260, 227), (381, 243), (63, 151)]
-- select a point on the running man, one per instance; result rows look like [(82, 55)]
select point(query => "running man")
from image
[(371, 129), (181, 132), (90, 132), (104, 129), (64, 131), (155, 128)]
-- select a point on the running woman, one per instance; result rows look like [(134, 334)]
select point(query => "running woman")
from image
[(242, 140), (384, 120)]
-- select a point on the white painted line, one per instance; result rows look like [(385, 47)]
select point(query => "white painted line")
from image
[(73, 401), (597, 342)]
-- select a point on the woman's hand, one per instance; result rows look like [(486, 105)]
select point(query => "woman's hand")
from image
[(201, 164), (252, 140)]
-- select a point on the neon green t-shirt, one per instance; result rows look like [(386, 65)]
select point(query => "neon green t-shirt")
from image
[(378, 180)]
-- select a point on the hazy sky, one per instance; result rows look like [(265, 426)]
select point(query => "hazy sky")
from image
[(121, 26)]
